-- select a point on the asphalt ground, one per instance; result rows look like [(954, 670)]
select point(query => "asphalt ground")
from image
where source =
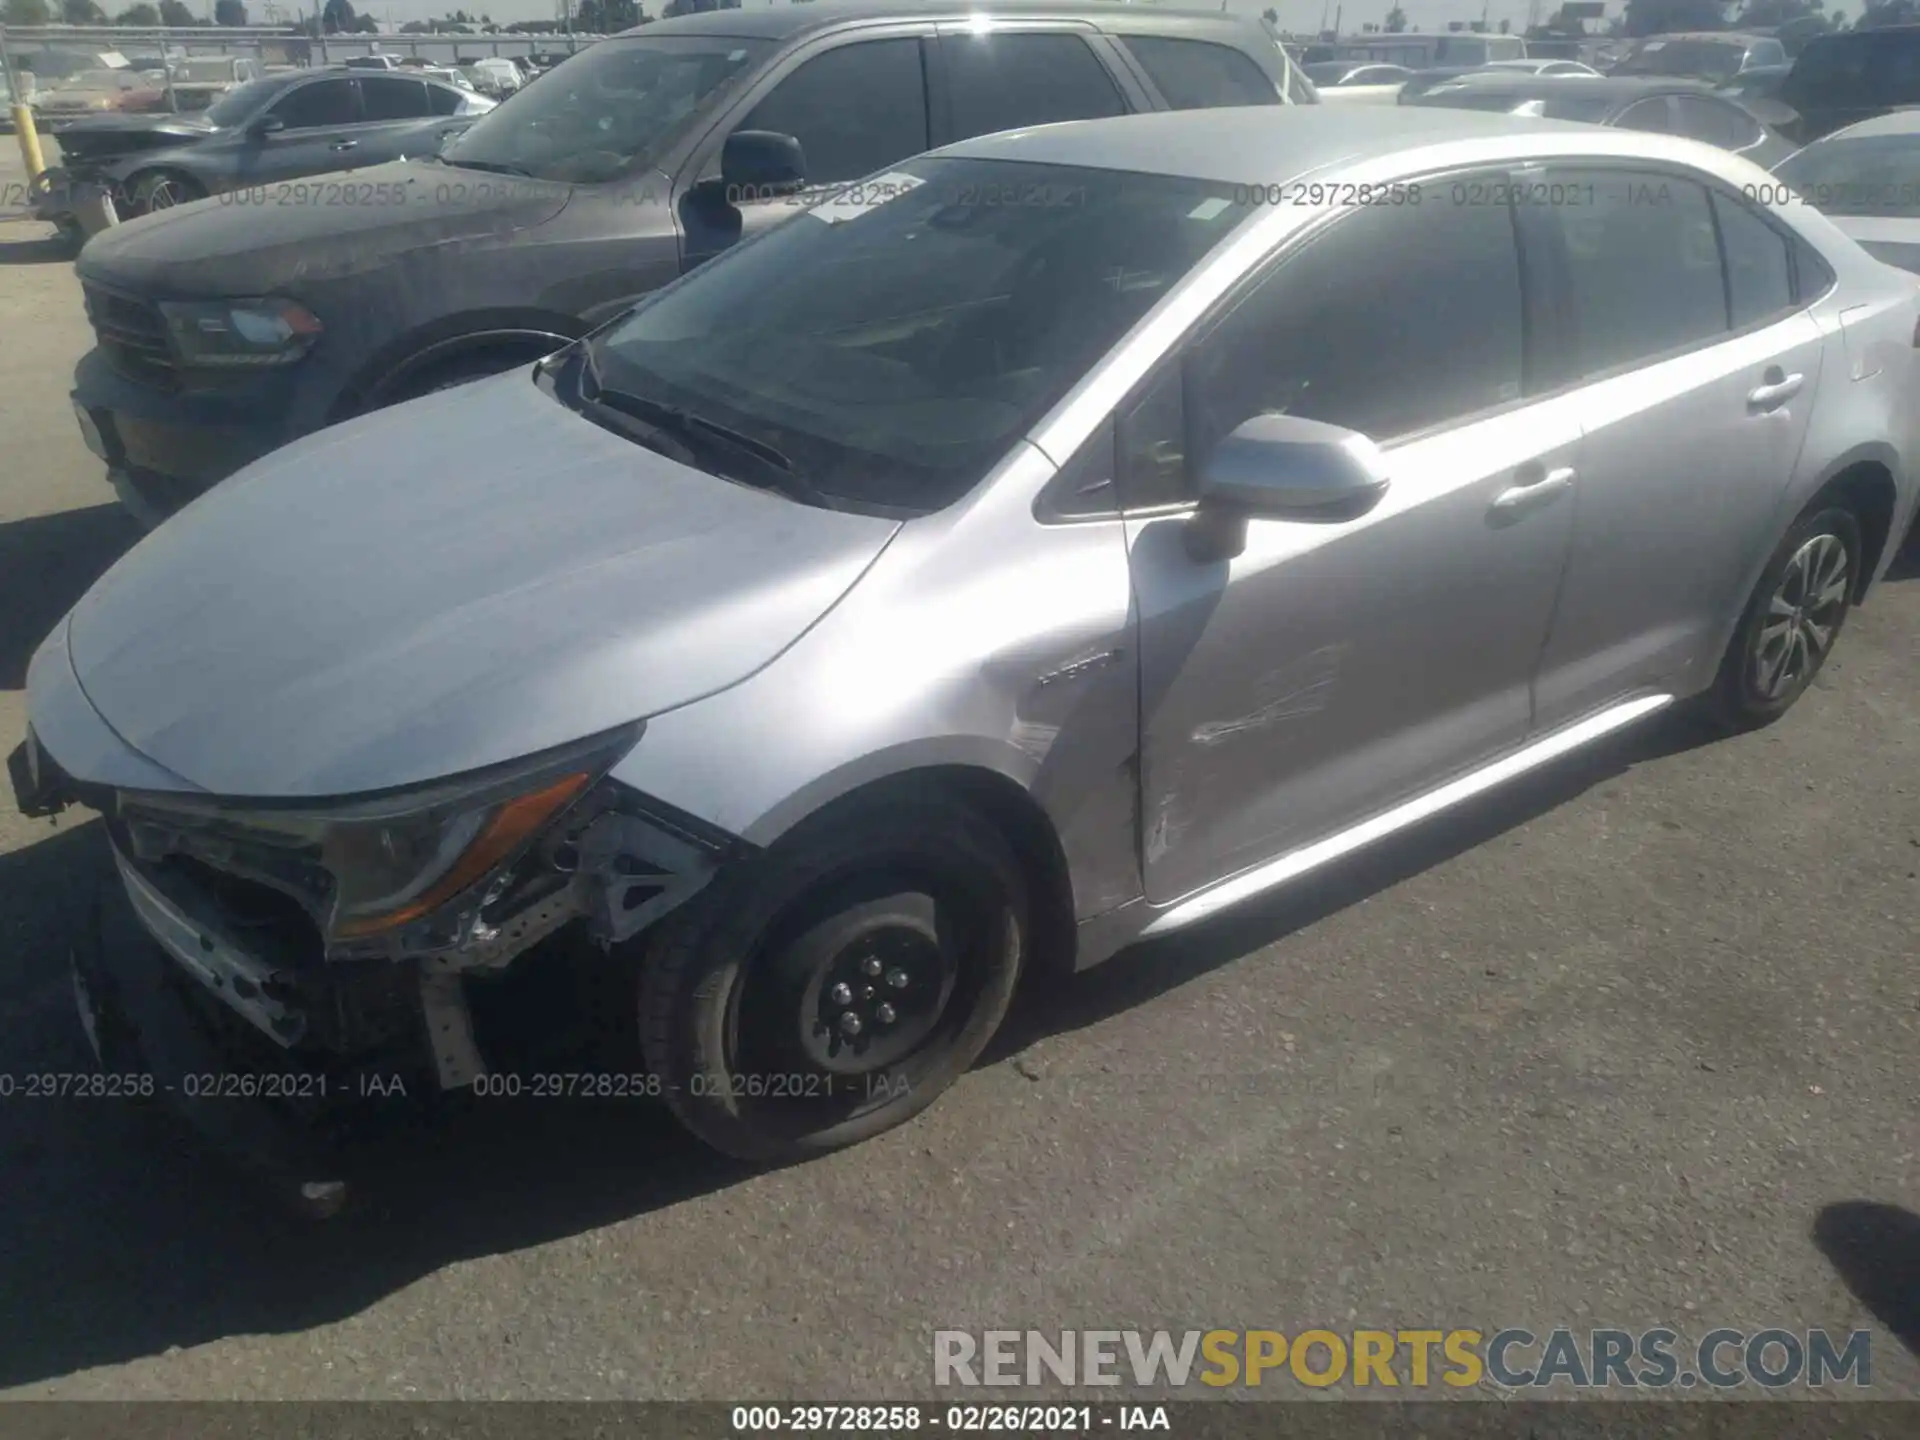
[(1632, 1045)]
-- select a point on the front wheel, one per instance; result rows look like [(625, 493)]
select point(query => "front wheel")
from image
[(162, 190), (1791, 621), (834, 986)]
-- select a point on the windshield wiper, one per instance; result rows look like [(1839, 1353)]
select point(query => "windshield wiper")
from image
[(492, 167), (685, 426)]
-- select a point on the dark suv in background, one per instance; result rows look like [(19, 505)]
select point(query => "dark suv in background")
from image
[(227, 329), (1838, 80)]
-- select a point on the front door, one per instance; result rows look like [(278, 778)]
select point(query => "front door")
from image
[(1336, 667), (855, 108), (1696, 376), (319, 121)]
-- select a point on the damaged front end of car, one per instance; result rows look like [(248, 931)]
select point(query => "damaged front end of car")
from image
[(322, 954)]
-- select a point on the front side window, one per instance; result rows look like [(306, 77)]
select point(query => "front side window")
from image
[(1389, 322), (1006, 80), (895, 348), (1197, 74), (324, 102), (1643, 263), (610, 108), (443, 100), (854, 110), (237, 106)]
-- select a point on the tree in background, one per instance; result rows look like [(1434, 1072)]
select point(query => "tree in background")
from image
[(173, 13), (25, 12), (1661, 17), (1887, 12), (82, 12), (1396, 21), (607, 17), (144, 16), (229, 12), (337, 17)]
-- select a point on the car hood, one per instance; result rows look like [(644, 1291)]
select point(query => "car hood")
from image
[(1890, 239), (98, 137), (215, 247), (445, 585)]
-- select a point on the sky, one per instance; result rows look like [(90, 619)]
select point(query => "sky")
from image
[(1295, 15)]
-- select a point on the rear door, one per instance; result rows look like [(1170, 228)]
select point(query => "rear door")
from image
[(392, 106), (1695, 369), (1015, 74)]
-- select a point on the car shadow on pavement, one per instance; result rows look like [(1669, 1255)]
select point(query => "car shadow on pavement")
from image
[(39, 250), (1154, 967), (120, 1236), (46, 564), (1875, 1249)]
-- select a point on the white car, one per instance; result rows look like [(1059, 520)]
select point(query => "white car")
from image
[(1866, 179)]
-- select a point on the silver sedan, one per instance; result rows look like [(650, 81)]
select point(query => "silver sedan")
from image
[(1054, 541)]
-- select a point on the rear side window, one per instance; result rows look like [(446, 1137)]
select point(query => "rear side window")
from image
[(1652, 116), (1392, 321), (1643, 262), (854, 110), (1699, 118), (1759, 263), (324, 102), (1004, 80), (1198, 75), (389, 97)]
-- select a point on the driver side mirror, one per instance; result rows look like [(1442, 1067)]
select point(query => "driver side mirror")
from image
[(1283, 467), (262, 125), (760, 165)]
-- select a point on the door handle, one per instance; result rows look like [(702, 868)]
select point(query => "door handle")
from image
[(344, 145), (1775, 389), (1533, 484)]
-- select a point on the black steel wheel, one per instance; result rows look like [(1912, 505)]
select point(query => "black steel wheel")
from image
[(832, 987)]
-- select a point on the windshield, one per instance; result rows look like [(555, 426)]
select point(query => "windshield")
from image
[(234, 107), (1874, 175), (203, 71), (937, 322), (611, 108), (1714, 59)]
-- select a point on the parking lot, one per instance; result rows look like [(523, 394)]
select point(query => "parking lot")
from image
[(1633, 1045)]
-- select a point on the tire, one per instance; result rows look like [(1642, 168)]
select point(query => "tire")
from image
[(162, 190), (744, 997), (1792, 620)]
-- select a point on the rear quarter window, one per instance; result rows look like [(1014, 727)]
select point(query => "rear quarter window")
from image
[(1200, 75)]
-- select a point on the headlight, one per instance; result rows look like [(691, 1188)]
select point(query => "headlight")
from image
[(399, 858), (240, 332)]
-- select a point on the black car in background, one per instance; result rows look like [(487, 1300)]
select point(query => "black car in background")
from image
[(267, 131), (226, 330), (1840, 80), (1662, 107)]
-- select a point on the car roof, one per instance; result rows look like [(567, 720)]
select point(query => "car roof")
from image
[(1896, 122), (1620, 89), (1727, 37), (783, 22), (1253, 144)]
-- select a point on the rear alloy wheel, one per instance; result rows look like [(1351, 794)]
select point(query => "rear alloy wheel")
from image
[(162, 190), (1792, 620), (831, 988)]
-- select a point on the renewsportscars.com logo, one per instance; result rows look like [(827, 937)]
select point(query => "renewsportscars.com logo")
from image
[(1512, 1359)]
